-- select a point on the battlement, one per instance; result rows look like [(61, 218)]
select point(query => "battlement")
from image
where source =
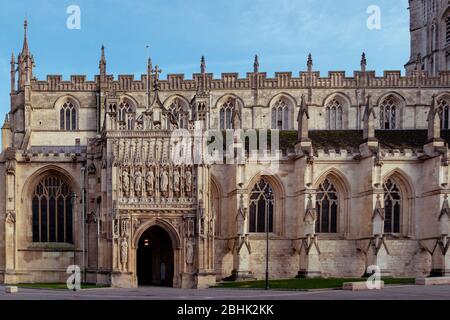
[(281, 80)]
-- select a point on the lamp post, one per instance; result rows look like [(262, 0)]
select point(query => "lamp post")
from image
[(268, 195)]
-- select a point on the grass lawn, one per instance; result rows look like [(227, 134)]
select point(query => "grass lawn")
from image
[(306, 284), (59, 286)]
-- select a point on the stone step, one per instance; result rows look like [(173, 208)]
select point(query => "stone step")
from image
[(359, 286), (11, 289), (432, 281)]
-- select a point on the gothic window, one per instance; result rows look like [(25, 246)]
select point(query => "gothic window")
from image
[(388, 114), (447, 34), (126, 116), (444, 112), (333, 115), (392, 207), (180, 114), (280, 115), (201, 112), (52, 211), (261, 206), (68, 117), (226, 115), (327, 204)]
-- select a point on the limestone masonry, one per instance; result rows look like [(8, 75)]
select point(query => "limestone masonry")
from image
[(362, 179)]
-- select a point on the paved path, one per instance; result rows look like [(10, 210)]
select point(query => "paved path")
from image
[(155, 293)]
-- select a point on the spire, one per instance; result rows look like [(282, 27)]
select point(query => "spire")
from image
[(363, 62), (203, 65), (310, 62), (26, 61), (149, 80), (25, 49), (102, 64), (256, 65)]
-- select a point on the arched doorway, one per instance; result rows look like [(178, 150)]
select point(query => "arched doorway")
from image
[(155, 258)]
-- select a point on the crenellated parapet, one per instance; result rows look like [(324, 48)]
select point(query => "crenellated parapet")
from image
[(231, 81)]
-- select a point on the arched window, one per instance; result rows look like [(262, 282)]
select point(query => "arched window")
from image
[(333, 114), (226, 115), (52, 211), (179, 113), (444, 112), (126, 116), (327, 206), (280, 115), (392, 207), (447, 29), (68, 117), (388, 114), (262, 203)]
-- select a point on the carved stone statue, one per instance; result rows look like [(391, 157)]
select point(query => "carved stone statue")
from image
[(150, 182), (138, 182), (188, 182), (176, 181), (125, 182), (164, 181), (189, 252), (124, 251)]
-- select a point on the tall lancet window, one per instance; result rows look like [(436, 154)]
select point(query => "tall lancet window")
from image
[(125, 116), (68, 117), (392, 207), (262, 204), (280, 115), (52, 211), (333, 115), (327, 205), (444, 112), (226, 115), (179, 114), (388, 114)]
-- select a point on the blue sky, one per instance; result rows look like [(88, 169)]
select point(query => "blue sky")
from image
[(229, 33)]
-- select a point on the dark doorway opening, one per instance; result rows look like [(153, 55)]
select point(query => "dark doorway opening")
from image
[(155, 258)]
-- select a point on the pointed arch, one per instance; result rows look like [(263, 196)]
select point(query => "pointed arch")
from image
[(390, 111), (178, 107), (50, 212), (403, 198), (162, 223), (341, 96), (282, 109), (215, 199), (332, 203), (69, 110), (337, 175), (228, 106), (275, 205)]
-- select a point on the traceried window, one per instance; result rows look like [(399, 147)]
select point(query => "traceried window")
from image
[(68, 117), (262, 204), (444, 112), (125, 116), (333, 115), (179, 113), (52, 211), (327, 206), (388, 114), (280, 115), (447, 34), (226, 115), (392, 207)]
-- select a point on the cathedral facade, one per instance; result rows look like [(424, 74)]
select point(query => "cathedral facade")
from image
[(93, 173)]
